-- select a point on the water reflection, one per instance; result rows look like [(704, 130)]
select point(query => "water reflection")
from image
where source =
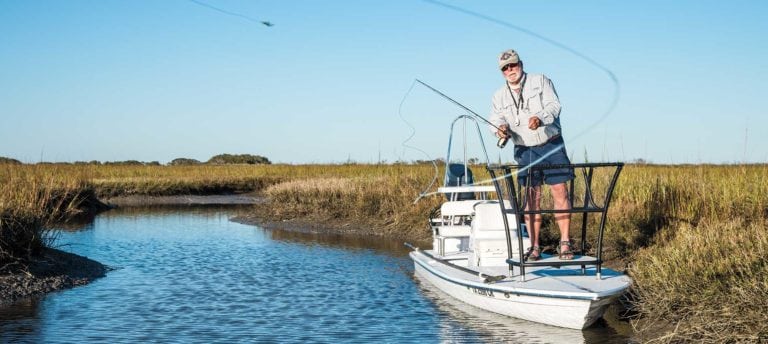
[(85, 222), (203, 210), (349, 242), (22, 317)]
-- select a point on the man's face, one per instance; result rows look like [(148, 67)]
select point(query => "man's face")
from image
[(512, 72)]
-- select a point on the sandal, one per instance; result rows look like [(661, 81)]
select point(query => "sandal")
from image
[(566, 254), (533, 254)]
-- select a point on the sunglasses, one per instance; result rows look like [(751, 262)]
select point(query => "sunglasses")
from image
[(509, 66)]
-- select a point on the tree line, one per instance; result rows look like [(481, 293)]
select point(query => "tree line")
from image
[(221, 159)]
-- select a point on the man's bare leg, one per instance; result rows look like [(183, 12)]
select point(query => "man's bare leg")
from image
[(560, 197), (533, 202)]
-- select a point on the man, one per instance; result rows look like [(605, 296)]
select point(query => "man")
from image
[(527, 111)]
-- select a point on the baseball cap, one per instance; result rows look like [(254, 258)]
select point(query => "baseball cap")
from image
[(507, 57)]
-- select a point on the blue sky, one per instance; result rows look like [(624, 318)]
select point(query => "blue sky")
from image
[(332, 81)]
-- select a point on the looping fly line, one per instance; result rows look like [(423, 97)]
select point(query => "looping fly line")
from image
[(603, 116)]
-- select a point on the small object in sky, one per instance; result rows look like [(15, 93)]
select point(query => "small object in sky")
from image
[(197, 2)]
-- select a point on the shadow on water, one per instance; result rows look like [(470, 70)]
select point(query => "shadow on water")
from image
[(21, 317)]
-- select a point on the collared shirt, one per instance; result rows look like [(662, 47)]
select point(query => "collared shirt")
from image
[(539, 100)]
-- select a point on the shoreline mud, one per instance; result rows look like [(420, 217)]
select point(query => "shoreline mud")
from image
[(50, 271), (264, 217)]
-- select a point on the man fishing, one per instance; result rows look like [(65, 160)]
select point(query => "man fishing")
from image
[(527, 111)]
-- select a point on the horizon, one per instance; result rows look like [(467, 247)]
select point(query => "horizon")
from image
[(438, 162)]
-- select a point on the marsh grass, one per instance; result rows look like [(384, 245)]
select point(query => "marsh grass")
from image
[(693, 238), (707, 283), (111, 181), (697, 245), (32, 198), (382, 197)]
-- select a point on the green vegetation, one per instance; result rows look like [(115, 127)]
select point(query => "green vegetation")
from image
[(184, 161), (4, 160), (238, 159), (132, 163), (693, 238), (221, 159)]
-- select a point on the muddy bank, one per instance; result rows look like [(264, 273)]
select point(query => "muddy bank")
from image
[(309, 224), (45, 270), (266, 218), (52, 270)]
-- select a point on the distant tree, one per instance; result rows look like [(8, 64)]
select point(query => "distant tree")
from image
[(223, 159), (641, 161), (125, 163), (184, 161), (9, 161)]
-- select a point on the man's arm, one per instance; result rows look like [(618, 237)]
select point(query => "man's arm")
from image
[(498, 119), (550, 102)]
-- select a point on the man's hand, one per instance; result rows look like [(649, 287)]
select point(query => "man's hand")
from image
[(503, 131), (534, 123)]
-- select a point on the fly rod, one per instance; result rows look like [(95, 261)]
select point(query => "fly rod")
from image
[(502, 141)]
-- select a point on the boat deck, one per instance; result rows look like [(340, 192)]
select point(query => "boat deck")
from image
[(546, 281)]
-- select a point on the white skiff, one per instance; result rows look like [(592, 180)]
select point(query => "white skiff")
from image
[(475, 256)]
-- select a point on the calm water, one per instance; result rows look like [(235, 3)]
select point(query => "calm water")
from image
[(190, 275)]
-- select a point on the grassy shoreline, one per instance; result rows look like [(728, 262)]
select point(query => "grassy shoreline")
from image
[(692, 237)]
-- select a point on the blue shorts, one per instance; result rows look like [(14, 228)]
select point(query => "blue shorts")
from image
[(524, 156)]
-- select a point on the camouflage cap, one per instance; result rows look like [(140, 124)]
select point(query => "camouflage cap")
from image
[(507, 57)]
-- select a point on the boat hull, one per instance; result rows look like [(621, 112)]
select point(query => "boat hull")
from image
[(568, 312)]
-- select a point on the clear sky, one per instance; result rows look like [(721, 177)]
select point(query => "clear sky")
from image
[(332, 81)]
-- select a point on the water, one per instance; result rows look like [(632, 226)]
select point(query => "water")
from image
[(193, 276)]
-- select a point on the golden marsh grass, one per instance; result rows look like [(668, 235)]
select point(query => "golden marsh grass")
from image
[(30, 199)]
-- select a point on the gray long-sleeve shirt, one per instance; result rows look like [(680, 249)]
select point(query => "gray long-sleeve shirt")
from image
[(539, 100)]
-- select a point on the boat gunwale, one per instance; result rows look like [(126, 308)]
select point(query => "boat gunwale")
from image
[(591, 296)]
